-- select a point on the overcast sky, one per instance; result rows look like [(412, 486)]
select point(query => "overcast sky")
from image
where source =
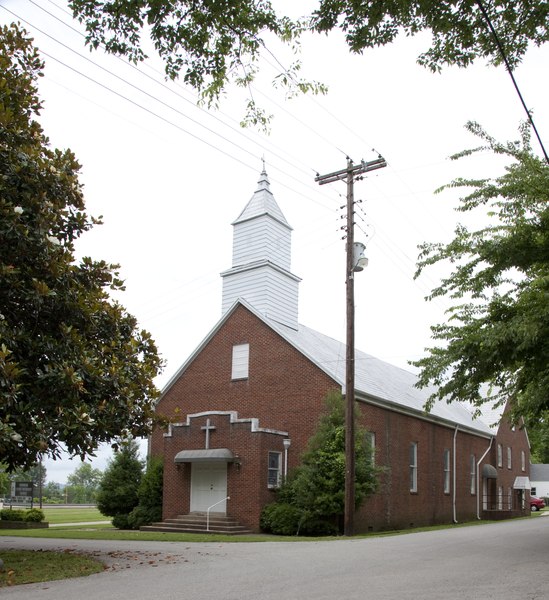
[(169, 178)]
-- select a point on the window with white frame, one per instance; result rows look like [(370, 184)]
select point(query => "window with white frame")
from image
[(446, 471), (509, 499), (371, 446), (523, 460), (413, 467), (274, 474), (500, 455), (509, 458), (241, 360), (473, 474), (500, 497)]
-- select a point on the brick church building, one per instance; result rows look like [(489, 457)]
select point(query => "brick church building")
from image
[(247, 400)]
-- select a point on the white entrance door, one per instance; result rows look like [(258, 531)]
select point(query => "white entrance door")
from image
[(208, 487)]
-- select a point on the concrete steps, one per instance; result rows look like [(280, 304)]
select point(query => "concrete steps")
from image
[(197, 523)]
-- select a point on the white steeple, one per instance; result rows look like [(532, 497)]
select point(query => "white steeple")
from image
[(260, 272)]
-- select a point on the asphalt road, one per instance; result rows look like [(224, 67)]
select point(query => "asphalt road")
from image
[(504, 561)]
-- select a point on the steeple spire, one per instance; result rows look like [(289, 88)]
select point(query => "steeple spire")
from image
[(260, 271)]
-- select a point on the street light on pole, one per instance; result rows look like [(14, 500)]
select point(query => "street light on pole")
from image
[(355, 262)]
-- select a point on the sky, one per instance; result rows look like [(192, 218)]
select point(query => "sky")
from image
[(169, 177)]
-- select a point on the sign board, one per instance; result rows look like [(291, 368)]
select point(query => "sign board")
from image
[(22, 490)]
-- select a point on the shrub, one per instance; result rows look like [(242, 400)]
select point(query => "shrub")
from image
[(118, 487), (34, 515), (121, 522), (12, 514), (316, 527), (149, 493), (281, 519), (141, 515)]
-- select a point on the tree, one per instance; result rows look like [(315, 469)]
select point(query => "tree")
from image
[(83, 484), (212, 42), (150, 494), (494, 344), (37, 473), (118, 490), (312, 500), (538, 435), (75, 370), (52, 493)]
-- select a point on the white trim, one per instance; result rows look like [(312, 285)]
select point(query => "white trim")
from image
[(254, 422)]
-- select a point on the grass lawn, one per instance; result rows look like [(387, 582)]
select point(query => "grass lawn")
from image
[(24, 566), (73, 515)]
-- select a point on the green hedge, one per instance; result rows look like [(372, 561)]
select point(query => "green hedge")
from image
[(33, 515)]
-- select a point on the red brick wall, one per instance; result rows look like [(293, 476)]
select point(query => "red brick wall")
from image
[(394, 506), (516, 439), (285, 392)]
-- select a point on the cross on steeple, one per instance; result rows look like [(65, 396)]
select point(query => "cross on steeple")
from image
[(207, 428)]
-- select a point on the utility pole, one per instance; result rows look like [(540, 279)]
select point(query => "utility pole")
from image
[(349, 174)]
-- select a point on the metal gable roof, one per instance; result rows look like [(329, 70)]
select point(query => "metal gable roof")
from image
[(376, 380), (539, 472)]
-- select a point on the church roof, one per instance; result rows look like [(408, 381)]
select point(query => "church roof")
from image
[(262, 203), (379, 382), (539, 472)]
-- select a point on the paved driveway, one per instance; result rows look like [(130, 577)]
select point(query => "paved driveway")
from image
[(503, 561)]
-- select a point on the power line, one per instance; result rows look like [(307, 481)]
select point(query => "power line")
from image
[(510, 71)]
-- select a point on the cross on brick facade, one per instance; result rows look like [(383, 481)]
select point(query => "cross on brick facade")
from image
[(207, 428)]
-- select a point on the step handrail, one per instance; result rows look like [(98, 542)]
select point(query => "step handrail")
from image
[(208, 512)]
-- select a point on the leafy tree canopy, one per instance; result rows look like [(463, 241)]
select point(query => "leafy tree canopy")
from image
[(495, 342), (75, 370), (212, 42)]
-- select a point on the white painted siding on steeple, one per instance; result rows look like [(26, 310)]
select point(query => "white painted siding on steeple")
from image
[(271, 291), (262, 238)]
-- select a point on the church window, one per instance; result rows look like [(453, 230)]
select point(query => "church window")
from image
[(500, 455), (509, 458), (275, 469), (500, 497), (446, 471), (241, 359), (413, 467), (523, 460), (473, 473), (371, 446)]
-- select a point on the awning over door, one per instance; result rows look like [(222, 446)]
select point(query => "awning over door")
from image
[(205, 455), (489, 472), (522, 483)]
